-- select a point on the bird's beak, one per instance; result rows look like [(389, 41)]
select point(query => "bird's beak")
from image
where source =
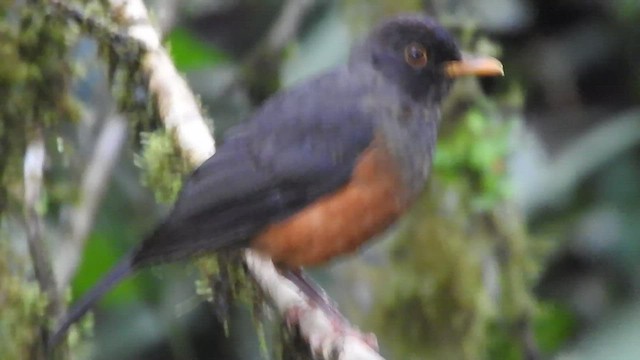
[(484, 66)]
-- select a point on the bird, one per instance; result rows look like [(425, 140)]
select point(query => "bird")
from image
[(321, 167)]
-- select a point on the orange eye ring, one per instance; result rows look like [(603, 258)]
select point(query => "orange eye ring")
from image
[(415, 55)]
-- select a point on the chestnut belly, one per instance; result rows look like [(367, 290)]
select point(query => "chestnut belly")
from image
[(338, 223)]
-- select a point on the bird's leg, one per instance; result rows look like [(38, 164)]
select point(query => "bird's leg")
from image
[(317, 296), (313, 292)]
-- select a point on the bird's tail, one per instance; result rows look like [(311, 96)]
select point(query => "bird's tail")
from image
[(117, 273)]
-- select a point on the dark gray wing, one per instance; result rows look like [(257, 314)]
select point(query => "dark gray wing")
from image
[(298, 147)]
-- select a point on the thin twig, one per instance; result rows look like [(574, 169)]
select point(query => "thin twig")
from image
[(34, 160), (287, 25), (95, 180), (282, 31), (95, 25)]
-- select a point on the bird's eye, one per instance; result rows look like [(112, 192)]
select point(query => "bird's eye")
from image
[(415, 55)]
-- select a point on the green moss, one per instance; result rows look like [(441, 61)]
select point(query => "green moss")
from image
[(23, 306), (227, 267), (162, 165), (434, 304), (224, 281), (35, 82)]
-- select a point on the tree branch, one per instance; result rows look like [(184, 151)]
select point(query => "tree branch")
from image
[(94, 184), (34, 160), (178, 108), (313, 323), (268, 51), (287, 24)]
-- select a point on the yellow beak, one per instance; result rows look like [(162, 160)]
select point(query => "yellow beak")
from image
[(485, 66)]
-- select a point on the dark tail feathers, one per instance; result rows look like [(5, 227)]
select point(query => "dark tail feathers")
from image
[(117, 273)]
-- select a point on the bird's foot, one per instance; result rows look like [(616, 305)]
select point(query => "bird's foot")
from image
[(342, 328), (316, 296), (337, 331), (318, 299), (293, 315)]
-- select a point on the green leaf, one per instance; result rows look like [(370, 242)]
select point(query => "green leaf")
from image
[(100, 255), (554, 326), (190, 53)]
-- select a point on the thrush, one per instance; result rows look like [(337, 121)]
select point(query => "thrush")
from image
[(321, 167)]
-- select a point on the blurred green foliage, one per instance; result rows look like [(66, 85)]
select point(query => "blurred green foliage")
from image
[(474, 156), (628, 10), (103, 255), (22, 306), (554, 325), (190, 53), (34, 51)]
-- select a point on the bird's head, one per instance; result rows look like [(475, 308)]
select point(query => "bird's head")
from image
[(421, 57)]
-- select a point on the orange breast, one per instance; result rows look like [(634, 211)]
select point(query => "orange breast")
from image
[(340, 222)]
